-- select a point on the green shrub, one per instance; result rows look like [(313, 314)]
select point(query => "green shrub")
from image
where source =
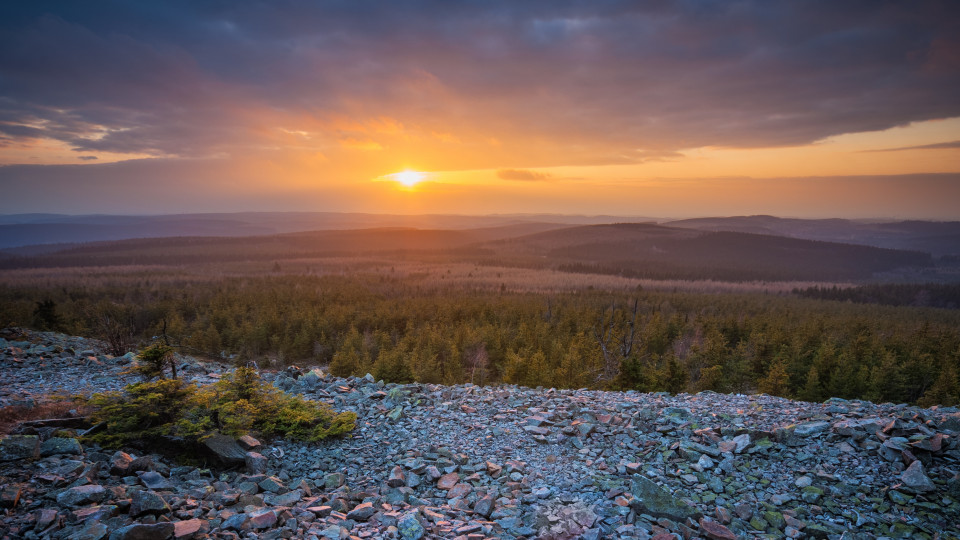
[(144, 411), (154, 360), (239, 403)]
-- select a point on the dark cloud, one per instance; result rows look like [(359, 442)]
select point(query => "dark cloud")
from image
[(88, 158), (599, 82), (523, 175), (935, 146)]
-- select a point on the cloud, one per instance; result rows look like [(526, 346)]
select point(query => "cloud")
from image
[(88, 158), (935, 146), (523, 175), (566, 83)]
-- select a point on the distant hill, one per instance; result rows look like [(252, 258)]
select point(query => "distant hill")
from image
[(34, 229), (193, 249), (660, 252), (642, 250), (936, 238)]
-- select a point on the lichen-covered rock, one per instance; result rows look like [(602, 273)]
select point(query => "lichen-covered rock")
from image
[(17, 447), (60, 445), (147, 502), (409, 526), (654, 500)]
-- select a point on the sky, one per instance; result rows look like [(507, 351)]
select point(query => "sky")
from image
[(660, 109)]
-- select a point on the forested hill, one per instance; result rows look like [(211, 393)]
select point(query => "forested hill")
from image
[(659, 252), (631, 249), (936, 238)]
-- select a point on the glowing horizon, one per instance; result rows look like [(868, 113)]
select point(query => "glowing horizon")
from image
[(654, 111)]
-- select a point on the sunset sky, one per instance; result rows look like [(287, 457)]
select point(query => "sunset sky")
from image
[(659, 109)]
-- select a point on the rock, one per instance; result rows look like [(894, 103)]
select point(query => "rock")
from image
[(10, 495), (138, 531), (715, 530), (17, 447), (92, 530), (654, 500), (811, 494), (147, 502), (289, 498), (916, 478), (60, 445), (225, 448), (81, 495), (333, 480), (484, 506), (409, 526), (255, 463), (396, 413), (362, 512), (272, 484), (951, 422), (743, 442), (190, 528), (808, 429), (248, 443), (704, 463), (235, 522), (447, 481), (263, 519), (120, 463), (312, 378), (397, 478), (154, 480), (45, 518), (461, 490), (775, 519)]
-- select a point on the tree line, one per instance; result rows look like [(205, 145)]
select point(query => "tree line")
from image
[(646, 340)]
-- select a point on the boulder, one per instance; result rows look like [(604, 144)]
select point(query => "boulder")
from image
[(484, 506), (409, 526), (140, 531), (255, 463), (716, 531), (147, 502), (154, 480), (289, 498), (808, 429), (263, 519), (916, 478), (225, 448), (248, 443), (362, 512), (189, 528), (654, 500), (60, 445), (397, 478), (334, 480), (17, 447), (81, 495), (120, 463), (10, 495)]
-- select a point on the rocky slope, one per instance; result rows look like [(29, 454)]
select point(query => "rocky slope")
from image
[(471, 462)]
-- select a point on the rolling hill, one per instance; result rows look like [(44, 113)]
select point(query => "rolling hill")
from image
[(936, 238)]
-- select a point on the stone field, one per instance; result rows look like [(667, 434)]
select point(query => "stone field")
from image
[(470, 462)]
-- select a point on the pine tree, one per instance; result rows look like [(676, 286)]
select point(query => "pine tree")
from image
[(776, 382)]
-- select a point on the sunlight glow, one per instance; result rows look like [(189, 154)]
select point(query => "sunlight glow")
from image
[(408, 178)]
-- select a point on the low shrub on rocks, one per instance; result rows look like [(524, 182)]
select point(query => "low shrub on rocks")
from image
[(240, 403)]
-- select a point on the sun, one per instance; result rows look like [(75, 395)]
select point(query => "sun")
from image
[(408, 178)]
